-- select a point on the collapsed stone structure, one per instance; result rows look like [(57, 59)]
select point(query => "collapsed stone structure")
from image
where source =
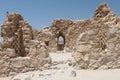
[(19, 51), (98, 47), (95, 42), (16, 33)]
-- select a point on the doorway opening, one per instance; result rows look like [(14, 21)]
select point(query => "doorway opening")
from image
[(61, 42)]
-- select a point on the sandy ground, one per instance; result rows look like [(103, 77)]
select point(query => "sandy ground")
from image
[(60, 70)]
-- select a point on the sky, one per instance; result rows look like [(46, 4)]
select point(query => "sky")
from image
[(41, 13)]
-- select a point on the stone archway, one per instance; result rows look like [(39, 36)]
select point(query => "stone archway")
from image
[(60, 41)]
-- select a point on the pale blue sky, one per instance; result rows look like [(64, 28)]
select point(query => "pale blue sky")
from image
[(41, 13)]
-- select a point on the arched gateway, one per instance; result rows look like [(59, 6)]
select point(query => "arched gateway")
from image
[(60, 41)]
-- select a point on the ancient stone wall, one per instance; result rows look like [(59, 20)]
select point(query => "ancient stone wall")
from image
[(99, 47), (60, 27), (19, 52), (16, 33), (95, 41), (46, 36)]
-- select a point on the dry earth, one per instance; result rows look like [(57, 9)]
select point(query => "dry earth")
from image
[(60, 70)]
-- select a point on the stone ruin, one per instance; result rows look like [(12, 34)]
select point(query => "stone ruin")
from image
[(19, 51), (95, 42), (98, 47), (16, 34)]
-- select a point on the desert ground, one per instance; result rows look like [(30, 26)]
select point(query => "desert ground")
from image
[(60, 70)]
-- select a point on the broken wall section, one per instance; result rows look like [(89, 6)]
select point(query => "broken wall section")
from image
[(19, 51), (16, 33), (99, 46)]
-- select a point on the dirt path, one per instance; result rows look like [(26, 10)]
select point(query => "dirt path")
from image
[(60, 70)]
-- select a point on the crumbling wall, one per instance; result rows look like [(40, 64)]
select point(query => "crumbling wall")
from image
[(19, 52), (68, 29), (61, 27), (46, 36), (12, 66), (16, 33), (95, 41), (99, 46)]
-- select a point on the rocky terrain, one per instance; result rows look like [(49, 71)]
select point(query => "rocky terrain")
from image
[(86, 44), (61, 70)]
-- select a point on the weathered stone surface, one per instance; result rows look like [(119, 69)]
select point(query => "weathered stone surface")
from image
[(102, 37), (19, 52), (10, 52), (38, 49), (102, 10), (84, 48)]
